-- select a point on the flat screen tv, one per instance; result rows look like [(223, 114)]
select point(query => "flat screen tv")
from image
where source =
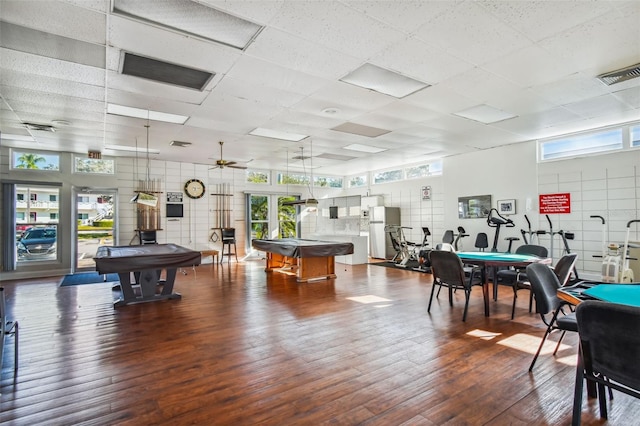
[(174, 210)]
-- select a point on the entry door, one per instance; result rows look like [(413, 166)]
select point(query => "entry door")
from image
[(269, 218), (95, 224)]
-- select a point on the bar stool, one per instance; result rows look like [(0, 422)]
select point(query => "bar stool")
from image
[(228, 239)]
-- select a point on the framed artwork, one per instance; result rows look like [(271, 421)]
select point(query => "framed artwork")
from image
[(507, 206), (476, 206)]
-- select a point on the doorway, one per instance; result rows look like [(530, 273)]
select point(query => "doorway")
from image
[(269, 218), (95, 224)]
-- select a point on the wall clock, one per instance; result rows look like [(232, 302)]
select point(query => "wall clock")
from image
[(194, 188)]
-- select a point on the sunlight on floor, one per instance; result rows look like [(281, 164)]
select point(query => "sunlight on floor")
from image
[(369, 299), (529, 344), (483, 334)]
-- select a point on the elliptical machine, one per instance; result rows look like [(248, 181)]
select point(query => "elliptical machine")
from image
[(496, 220)]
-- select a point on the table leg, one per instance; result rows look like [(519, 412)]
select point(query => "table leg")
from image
[(485, 293)]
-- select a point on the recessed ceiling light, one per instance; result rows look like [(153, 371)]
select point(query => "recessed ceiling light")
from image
[(146, 114), (331, 111), (180, 144), (484, 114), (364, 148), (130, 149), (277, 134), (384, 81)]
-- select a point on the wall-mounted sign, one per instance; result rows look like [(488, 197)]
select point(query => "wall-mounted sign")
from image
[(95, 155), (555, 203), (426, 192), (174, 197)]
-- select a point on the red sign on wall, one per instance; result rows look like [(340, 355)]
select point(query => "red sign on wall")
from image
[(555, 203)]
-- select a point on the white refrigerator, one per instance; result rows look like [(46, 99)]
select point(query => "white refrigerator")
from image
[(380, 245)]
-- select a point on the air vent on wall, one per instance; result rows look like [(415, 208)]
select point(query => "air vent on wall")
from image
[(620, 75), (180, 144), (39, 127), (164, 72)]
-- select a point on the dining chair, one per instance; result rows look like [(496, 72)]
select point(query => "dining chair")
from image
[(517, 278), (7, 328), (544, 285), (609, 351), (448, 271)]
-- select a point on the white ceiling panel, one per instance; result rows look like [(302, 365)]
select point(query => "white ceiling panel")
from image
[(535, 59)]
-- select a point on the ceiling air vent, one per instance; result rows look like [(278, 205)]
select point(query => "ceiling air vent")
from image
[(164, 72), (39, 127), (620, 75), (180, 144)]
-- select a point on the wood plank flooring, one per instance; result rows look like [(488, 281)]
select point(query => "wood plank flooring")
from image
[(245, 347)]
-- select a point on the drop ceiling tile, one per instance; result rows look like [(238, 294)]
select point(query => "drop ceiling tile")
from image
[(382, 121), (557, 16), (431, 66), (39, 65), (230, 86), (58, 86), (440, 98), (306, 120), (572, 88), (480, 85), (336, 26), (351, 96), (467, 30), (128, 86), (57, 17), (266, 74), (301, 55), (531, 126), (599, 106), (406, 111), (407, 15), (630, 96)]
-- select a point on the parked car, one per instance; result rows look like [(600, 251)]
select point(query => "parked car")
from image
[(37, 243)]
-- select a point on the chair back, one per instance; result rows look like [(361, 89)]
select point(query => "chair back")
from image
[(482, 242), (448, 237), (228, 233), (148, 237), (564, 267), (610, 340), (544, 284), (447, 267), (533, 250)]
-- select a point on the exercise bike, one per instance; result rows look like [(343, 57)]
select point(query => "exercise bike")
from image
[(496, 220), (615, 259)]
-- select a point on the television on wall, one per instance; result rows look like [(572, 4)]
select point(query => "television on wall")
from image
[(175, 210)]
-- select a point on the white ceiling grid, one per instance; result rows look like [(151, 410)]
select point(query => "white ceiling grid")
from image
[(536, 60)]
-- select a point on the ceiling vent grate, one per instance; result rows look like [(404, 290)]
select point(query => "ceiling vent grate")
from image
[(180, 144), (620, 75), (164, 72), (39, 127)]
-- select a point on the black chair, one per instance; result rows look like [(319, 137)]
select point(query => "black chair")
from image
[(517, 278), (7, 328), (448, 271), (545, 284), (609, 351), (228, 239), (482, 241), (147, 237)]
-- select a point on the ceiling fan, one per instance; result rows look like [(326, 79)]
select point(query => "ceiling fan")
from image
[(224, 163)]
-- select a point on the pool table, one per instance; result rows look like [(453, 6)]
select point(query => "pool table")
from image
[(146, 262), (306, 259)]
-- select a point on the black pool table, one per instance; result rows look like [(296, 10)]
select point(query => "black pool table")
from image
[(146, 262)]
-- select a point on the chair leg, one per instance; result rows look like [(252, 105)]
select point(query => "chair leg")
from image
[(515, 297), (530, 300), (433, 290), (15, 347), (467, 296), (535, 357), (559, 341), (602, 400), (577, 393)]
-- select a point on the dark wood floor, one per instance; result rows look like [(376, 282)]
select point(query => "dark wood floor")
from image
[(244, 347)]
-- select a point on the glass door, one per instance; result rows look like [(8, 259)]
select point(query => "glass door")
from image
[(95, 224), (269, 218)]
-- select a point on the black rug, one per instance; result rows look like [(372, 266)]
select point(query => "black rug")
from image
[(411, 265), (87, 278)]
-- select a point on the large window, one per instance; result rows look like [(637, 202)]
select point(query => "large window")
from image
[(327, 182), (358, 181), (36, 218), (35, 160), (92, 165), (256, 176), (387, 176), (588, 143)]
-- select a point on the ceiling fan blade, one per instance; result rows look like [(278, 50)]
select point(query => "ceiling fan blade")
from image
[(236, 166)]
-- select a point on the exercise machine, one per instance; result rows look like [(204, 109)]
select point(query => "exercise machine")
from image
[(615, 259), (457, 242), (496, 220), (423, 254)]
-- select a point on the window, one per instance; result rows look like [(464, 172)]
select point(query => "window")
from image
[(53, 198), (417, 171), (635, 135), (582, 144), (256, 176), (83, 216), (20, 216), (35, 161), (327, 182), (387, 176), (53, 216), (83, 199), (20, 197), (95, 166), (292, 179), (357, 181), (33, 197)]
